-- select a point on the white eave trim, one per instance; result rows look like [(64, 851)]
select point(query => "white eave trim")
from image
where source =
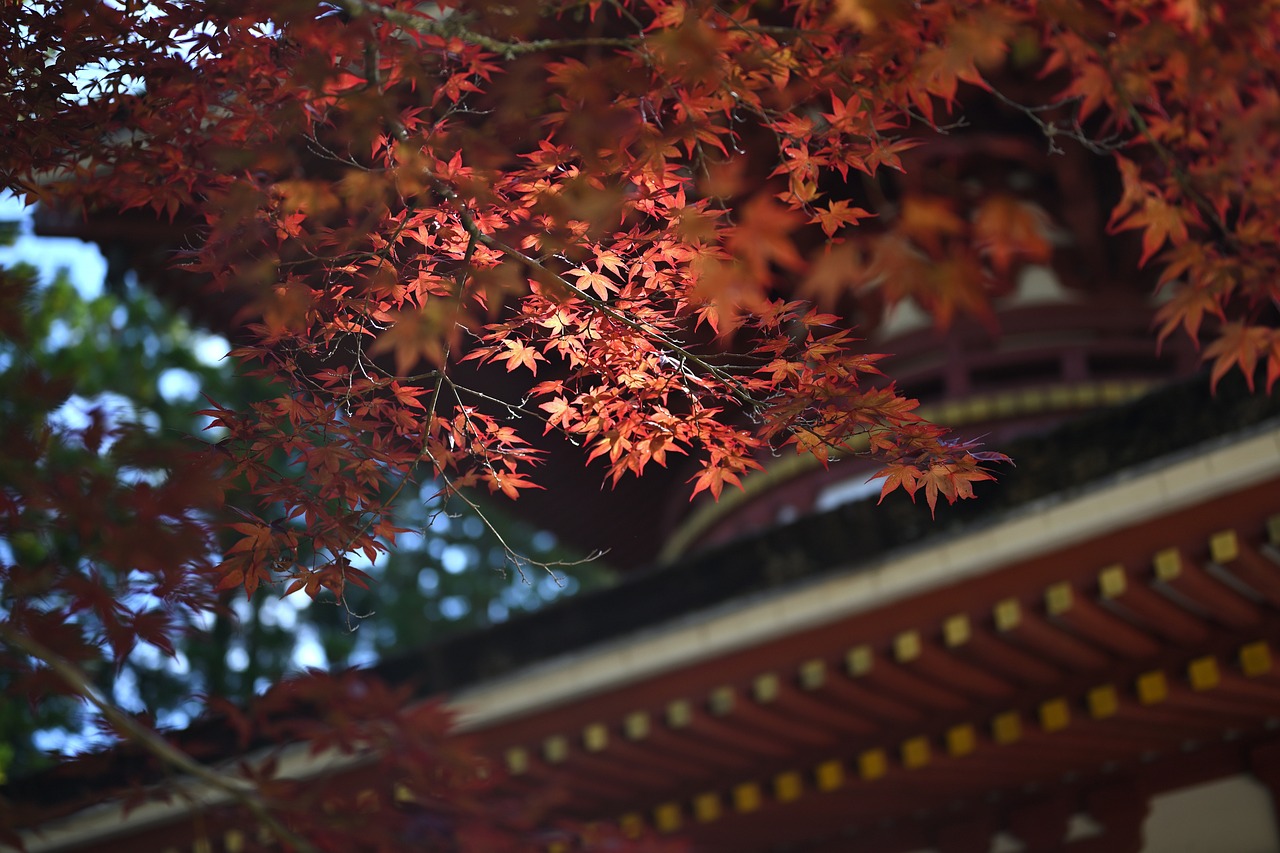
[(112, 819), (1165, 485)]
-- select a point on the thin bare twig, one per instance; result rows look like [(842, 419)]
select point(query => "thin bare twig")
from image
[(243, 792)]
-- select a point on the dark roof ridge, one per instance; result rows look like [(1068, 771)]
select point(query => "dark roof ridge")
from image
[(1053, 466)]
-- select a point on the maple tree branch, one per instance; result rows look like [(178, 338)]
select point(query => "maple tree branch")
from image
[(731, 384), (516, 410), (518, 560), (730, 381), (1166, 156), (1179, 174), (476, 235), (1053, 130), (241, 791), (439, 375), (453, 27)]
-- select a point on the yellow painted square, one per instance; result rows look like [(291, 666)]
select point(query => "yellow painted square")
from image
[(1055, 715), (1114, 392), (721, 701), (829, 775), (1255, 658), (1005, 405), (813, 674), (946, 413), (766, 687), (667, 817), (1153, 687), (915, 752), (1086, 396), (1058, 599), (859, 660), (1168, 564), (907, 646), (872, 764), (679, 714), (1006, 727), (961, 740), (595, 737), (978, 409), (746, 797), (636, 725), (632, 825), (1112, 581), (1103, 701), (956, 631), (1203, 673), (1032, 399), (1223, 546), (1008, 613), (555, 749), (517, 760), (706, 807), (787, 786)]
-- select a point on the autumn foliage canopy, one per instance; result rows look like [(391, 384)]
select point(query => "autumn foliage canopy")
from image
[(449, 229)]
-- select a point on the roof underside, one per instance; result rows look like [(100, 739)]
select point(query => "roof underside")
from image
[(1058, 672), (1110, 610)]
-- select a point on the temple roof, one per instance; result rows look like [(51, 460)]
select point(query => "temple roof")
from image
[(1127, 562), (1102, 446), (1103, 633)]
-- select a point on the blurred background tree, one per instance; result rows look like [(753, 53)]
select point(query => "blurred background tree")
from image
[(68, 347)]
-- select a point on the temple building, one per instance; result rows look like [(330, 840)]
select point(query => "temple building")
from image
[(1084, 659)]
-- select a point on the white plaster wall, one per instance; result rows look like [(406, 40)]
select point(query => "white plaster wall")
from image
[(1232, 815)]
